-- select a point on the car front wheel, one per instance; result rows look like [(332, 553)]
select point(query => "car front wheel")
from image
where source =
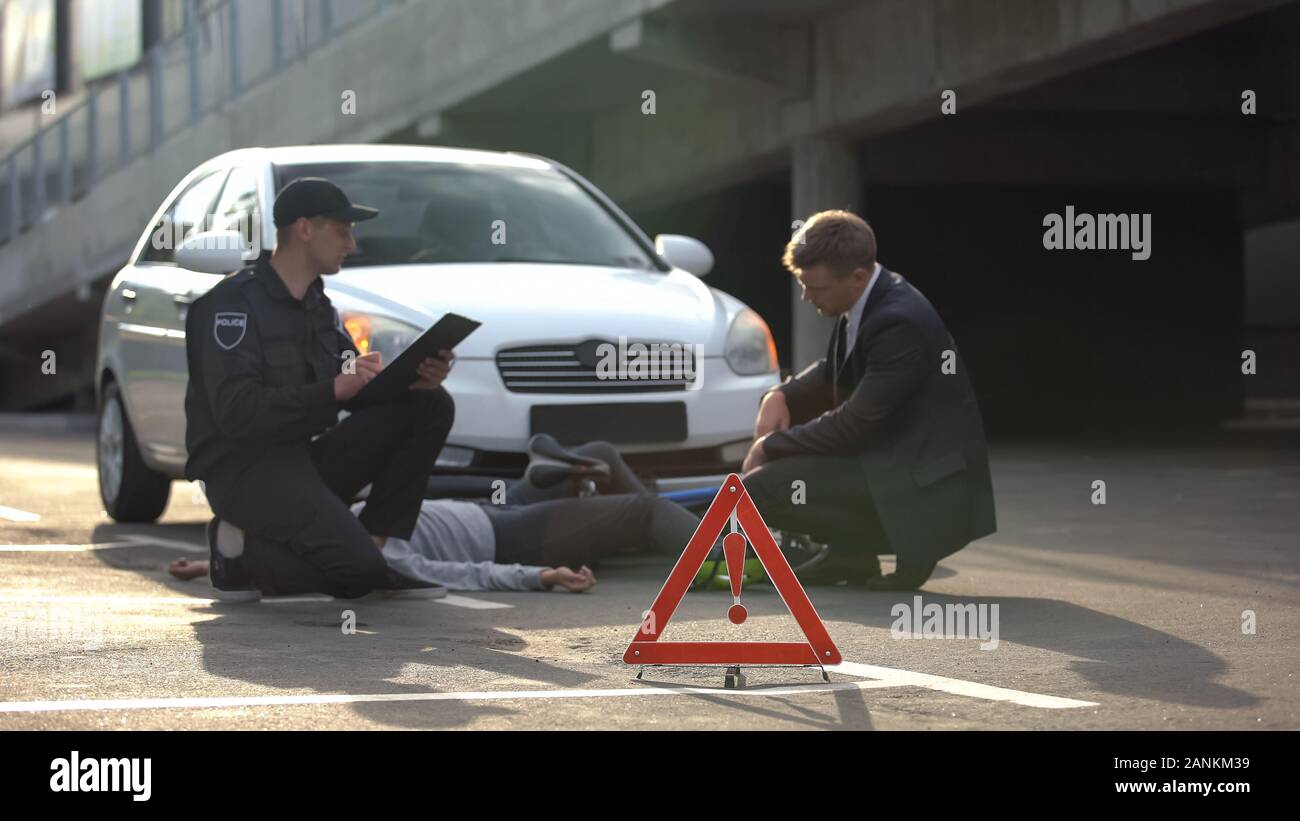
[(130, 490)]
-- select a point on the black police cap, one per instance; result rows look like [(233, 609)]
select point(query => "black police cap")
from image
[(317, 197)]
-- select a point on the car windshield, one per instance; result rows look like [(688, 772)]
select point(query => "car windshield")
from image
[(441, 212)]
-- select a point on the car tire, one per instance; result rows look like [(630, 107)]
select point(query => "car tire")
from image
[(130, 490)]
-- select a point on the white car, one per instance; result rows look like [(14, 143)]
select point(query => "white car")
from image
[(574, 299)]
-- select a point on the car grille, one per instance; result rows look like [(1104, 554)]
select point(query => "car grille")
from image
[(568, 368)]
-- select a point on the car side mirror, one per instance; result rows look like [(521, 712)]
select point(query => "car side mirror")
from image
[(684, 252), (213, 252)]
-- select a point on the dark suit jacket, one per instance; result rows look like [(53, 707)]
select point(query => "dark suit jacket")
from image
[(915, 430)]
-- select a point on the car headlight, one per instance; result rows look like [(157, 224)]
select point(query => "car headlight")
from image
[(378, 333), (750, 349)]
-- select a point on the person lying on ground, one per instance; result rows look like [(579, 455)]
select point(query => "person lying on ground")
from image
[(536, 538)]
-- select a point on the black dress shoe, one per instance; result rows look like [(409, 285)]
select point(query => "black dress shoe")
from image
[(833, 566), (908, 576)]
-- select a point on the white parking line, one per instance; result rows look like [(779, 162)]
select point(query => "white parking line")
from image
[(135, 541), (62, 548), (139, 540), (472, 604), (956, 686), (453, 600), (878, 678), (124, 600), (129, 541), (186, 547), (481, 695), (13, 514)]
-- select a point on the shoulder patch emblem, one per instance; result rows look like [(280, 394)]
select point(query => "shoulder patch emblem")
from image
[(228, 328)]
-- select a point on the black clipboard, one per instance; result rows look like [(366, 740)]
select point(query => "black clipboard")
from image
[(392, 382)]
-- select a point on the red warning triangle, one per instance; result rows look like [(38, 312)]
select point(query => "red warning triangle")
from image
[(646, 647)]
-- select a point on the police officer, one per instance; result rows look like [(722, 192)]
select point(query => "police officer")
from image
[(270, 366)]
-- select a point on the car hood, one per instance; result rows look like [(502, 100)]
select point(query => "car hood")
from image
[(527, 303)]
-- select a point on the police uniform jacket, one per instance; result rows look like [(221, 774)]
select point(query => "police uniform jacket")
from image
[(261, 370)]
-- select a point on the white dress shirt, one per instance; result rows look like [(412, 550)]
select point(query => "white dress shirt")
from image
[(854, 314)]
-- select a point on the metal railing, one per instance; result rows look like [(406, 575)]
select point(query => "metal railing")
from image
[(223, 48)]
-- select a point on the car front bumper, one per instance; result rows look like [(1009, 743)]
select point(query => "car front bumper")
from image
[(493, 425)]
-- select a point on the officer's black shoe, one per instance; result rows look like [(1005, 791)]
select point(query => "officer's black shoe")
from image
[(226, 567), (397, 586), (833, 566)]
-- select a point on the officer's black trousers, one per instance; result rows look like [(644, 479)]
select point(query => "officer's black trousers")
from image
[(294, 501)]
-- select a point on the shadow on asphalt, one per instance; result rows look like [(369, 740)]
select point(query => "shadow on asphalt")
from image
[(191, 532), (851, 710), (241, 643), (299, 647), (1116, 655)]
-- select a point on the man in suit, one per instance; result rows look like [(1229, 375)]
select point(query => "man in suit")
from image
[(884, 433)]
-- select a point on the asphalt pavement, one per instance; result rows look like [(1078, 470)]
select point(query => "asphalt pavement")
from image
[(1174, 605)]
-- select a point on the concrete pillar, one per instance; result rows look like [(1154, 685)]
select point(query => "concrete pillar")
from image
[(824, 175)]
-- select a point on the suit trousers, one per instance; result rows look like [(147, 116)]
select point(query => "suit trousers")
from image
[(832, 505)]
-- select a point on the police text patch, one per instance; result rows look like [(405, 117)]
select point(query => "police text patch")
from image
[(229, 328)]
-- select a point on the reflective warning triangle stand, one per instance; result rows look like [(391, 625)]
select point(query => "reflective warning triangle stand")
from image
[(646, 647)]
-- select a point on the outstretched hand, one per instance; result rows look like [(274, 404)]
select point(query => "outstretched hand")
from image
[(575, 581)]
